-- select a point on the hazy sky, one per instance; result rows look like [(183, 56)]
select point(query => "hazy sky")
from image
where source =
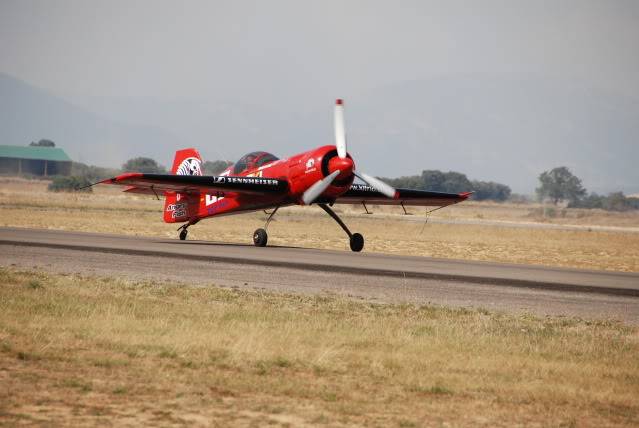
[(255, 59), (310, 50)]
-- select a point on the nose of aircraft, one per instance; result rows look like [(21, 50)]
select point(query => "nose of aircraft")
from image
[(344, 165)]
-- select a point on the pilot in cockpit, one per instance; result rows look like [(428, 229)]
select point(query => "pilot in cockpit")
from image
[(250, 162)]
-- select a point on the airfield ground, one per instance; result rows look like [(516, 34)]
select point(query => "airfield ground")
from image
[(512, 233), (91, 344), (82, 350)]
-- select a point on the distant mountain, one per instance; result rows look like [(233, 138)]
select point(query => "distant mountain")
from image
[(501, 128), (29, 114), (218, 128)]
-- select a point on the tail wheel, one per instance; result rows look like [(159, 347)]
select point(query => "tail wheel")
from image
[(260, 237), (183, 234), (357, 242)]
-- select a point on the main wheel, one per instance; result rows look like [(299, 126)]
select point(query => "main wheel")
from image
[(357, 242), (183, 234), (260, 237)]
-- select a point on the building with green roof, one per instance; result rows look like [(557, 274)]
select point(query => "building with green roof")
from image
[(34, 160)]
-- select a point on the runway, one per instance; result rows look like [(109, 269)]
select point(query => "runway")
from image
[(381, 277)]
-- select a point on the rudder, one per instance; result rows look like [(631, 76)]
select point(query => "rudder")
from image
[(180, 207)]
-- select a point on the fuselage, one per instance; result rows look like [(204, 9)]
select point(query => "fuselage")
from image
[(301, 171)]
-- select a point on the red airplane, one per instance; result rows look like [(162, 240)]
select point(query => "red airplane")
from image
[(261, 181)]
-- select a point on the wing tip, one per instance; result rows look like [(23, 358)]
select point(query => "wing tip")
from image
[(121, 177), (465, 195)]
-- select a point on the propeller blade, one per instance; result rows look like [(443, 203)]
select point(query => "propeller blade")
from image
[(318, 188), (340, 132), (379, 185)]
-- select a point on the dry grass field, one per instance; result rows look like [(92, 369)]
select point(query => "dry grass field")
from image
[(486, 231), (78, 351)]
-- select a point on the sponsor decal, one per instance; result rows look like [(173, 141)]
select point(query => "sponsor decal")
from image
[(246, 180), (310, 166), (176, 207), (177, 210), (310, 163), (178, 213), (212, 210), (210, 199), (190, 166), (363, 188)]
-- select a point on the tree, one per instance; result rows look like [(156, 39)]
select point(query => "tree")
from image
[(490, 190), (433, 180), (591, 201), (560, 184), (69, 184), (145, 165), (215, 167), (43, 143), (407, 182), (453, 182), (91, 172), (615, 201)]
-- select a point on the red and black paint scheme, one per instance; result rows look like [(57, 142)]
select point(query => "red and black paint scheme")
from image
[(261, 181)]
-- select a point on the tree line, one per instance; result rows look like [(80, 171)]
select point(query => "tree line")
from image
[(452, 182), (560, 185), (150, 166), (83, 175)]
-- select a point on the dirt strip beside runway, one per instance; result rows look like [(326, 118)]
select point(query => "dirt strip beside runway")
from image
[(372, 288)]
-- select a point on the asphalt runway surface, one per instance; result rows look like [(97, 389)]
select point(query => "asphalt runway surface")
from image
[(368, 276)]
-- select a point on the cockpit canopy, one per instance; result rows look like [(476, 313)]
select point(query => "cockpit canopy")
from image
[(251, 161)]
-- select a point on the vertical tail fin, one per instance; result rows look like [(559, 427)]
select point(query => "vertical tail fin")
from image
[(180, 207), (187, 162)]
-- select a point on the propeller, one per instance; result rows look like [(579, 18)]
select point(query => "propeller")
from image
[(340, 132), (320, 186), (340, 143)]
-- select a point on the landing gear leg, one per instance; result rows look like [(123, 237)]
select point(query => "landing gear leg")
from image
[(183, 231), (356, 240), (260, 237)]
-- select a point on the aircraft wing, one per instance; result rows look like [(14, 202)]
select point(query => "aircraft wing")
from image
[(360, 193), (160, 183)]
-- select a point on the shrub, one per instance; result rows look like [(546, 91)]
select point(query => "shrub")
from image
[(69, 184), (92, 173), (215, 167), (144, 165), (485, 190), (615, 201)]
